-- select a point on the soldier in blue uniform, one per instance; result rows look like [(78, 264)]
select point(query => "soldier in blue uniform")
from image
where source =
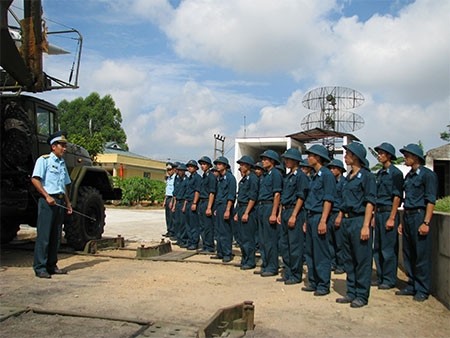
[(267, 206), (319, 203), (245, 216), (192, 199), (358, 202), (225, 197), (259, 172), (389, 198), (50, 178), (420, 196), (291, 217), (334, 222), (168, 198), (208, 186), (179, 206)]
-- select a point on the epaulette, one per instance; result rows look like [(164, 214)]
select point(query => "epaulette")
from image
[(45, 156)]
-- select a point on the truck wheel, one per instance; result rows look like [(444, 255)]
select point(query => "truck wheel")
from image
[(79, 229), (9, 230)]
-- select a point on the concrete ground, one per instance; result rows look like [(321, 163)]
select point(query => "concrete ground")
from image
[(188, 293)]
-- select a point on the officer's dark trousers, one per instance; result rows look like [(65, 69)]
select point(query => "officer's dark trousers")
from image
[(318, 247), (206, 227), (385, 249), (180, 224), (416, 253), (224, 232), (268, 240), (357, 259), (291, 245), (247, 237), (192, 226), (49, 228), (336, 243), (169, 216)]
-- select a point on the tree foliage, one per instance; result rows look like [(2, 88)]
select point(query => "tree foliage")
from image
[(136, 189), (92, 121), (445, 135)]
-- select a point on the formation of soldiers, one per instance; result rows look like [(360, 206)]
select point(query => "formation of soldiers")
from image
[(307, 212)]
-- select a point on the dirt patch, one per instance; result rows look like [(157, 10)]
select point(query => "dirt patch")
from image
[(189, 292)]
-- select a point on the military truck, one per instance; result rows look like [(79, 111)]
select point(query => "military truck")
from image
[(25, 124)]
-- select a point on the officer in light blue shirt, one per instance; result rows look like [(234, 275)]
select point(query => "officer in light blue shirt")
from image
[(50, 178), (168, 198)]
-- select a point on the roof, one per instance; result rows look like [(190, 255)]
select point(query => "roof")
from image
[(318, 134), (114, 148)]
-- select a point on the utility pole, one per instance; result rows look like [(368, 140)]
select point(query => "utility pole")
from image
[(219, 138)]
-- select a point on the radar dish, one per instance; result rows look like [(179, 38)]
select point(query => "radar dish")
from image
[(337, 97), (341, 121)]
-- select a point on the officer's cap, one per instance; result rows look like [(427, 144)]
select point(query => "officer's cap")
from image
[(337, 163), (415, 150), (205, 159), (59, 136), (319, 150), (293, 154), (387, 147), (359, 151), (246, 159), (272, 154)]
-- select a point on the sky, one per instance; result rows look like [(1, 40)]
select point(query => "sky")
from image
[(181, 71)]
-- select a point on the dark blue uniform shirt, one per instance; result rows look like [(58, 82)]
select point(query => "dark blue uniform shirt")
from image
[(295, 186), (180, 188), (208, 184), (226, 188), (389, 185), (322, 188), (358, 191), (271, 183), (248, 188), (338, 201), (420, 188), (193, 185)]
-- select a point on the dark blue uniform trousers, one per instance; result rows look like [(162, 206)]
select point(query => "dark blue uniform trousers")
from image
[(192, 226), (224, 232), (319, 274), (247, 237), (416, 253), (180, 224), (268, 240), (335, 243), (49, 228), (206, 227), (385, 249), (291, 245), (169, 216), (357, 259)]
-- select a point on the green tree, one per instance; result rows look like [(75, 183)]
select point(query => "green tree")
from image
[(92, 121), (445, 135)]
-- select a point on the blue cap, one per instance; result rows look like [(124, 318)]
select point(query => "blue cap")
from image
[(293, 154), (272, 154), (182, 166), (223, 160), (319, 150), (336, 163), (387, 147), (192, 163), (259, 165), (281, 168), (359, 151), (305, 163), (205, 159), (247, 160), (415, 150), (59, 136)]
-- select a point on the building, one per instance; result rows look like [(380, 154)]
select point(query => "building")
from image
[(121, 163)]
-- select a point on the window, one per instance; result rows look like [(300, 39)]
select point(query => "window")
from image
[(45, 121), (147, 174)]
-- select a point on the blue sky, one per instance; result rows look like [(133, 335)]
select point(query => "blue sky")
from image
[(182, 71)]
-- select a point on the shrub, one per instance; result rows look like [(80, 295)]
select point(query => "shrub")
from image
[(136, 189), (443, 204)]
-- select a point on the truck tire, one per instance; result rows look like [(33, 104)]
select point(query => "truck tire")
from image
[(79, 229), (9, 230)]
